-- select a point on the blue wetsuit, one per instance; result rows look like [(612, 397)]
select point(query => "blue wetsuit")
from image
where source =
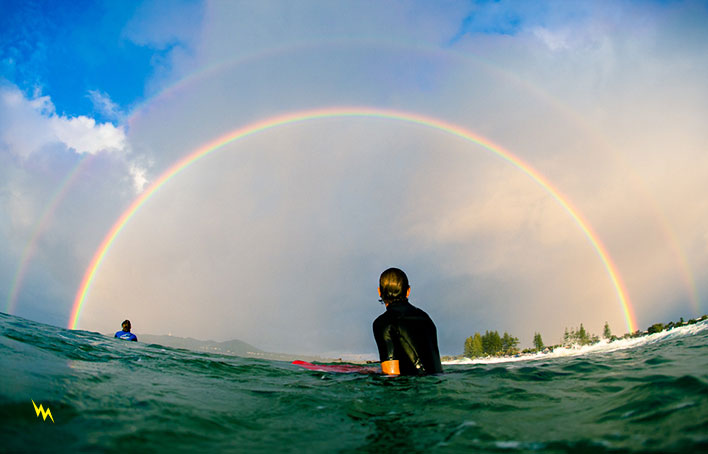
[(126, 335)]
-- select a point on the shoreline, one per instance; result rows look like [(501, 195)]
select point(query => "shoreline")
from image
[(604, 345)]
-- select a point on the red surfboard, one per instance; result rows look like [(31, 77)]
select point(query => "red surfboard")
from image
[(339, 368)]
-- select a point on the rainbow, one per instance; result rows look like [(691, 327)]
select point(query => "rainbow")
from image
[(347, 112), (661, 219)]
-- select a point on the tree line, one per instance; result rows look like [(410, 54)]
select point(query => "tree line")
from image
[(584, 337), (492, 344)]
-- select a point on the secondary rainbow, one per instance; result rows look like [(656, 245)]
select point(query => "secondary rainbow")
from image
[(39, 228), (348, 112)]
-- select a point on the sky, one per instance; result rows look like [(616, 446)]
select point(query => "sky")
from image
[(581, 198)]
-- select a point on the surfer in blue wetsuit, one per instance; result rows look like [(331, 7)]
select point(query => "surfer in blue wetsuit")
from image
[(405, 335), (125, 333)]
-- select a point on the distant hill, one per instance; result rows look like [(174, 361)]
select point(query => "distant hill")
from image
[(232, 347)]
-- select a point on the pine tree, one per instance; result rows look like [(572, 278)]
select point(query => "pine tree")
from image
[(537, 341), (509, 344), (477, 345), (468, 348), (606, 333), (487, 343), (583, 337), (491, 342), (473, 346)]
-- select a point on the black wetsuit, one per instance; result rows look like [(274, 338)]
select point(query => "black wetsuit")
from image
[(406, 333)]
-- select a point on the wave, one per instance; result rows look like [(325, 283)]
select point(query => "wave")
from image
[(604, 346), (105, 394)]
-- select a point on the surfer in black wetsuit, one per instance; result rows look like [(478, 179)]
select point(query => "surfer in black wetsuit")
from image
[(405, 335)]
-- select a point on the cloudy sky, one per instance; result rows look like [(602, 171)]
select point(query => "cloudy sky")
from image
[(278, 238)]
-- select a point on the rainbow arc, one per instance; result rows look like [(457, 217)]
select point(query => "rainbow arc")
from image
[(349, 112)]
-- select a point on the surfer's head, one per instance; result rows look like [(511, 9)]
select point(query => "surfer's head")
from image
[(126, 325), (393, 285)]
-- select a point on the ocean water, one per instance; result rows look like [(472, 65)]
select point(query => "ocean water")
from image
[(105, 395)]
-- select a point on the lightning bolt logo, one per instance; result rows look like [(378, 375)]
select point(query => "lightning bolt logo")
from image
[(44, 412)]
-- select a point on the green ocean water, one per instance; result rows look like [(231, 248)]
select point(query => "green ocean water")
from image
[(107, 395)]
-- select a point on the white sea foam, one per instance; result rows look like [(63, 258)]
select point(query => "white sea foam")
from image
[(603, 346)]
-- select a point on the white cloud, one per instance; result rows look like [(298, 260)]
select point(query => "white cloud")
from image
[(31, 124), (85, 136), (555, 40), (103, 104), (139, 176), (23, 128)]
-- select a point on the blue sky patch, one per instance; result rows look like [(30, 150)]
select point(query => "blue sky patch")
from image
[(490, 18), (69, 49)]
